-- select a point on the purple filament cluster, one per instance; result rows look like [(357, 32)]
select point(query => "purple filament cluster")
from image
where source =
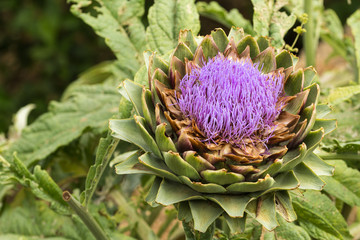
[(231, 99)]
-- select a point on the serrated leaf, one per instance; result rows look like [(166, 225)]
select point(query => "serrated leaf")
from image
[(48, 185), (345, 184), (35, 220), (333, 24), (89, 107), (108, 72), (119, 23), (354, 22), (40, 184), (340, 94), (231, 18), (332, 32), (270, 21), (166, 19), (104, 151), (319, 217)]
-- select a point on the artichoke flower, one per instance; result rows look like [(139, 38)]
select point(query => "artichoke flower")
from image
[(228, 127)]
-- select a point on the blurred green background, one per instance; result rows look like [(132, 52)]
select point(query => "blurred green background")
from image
[(43, 47)]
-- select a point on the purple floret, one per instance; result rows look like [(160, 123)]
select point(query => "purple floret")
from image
[(231, 100)]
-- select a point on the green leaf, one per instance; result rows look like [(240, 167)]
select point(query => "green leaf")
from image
[(307, 178), (119, 23), (248, 41), (151, 196), (127, 130), (179, 166), (266, 60), (333, 24), (31, 219), (294, 83), (166, 19), (328, 125), (142, 229), (245, 187), (318, 215), (229, 19), (104, 152), (235, 224), (340, 94), (157, 167), (345, 184), (171, 192), (284, 206), (283, 181), (164, 142), (131, 165), (332, 32), (293, 158), (150, 142), (203, 187), (309, 76), (89, 107), (204, 214), (40, 183), (270, 21), (220, 39), (184, 212), (234, 205), (296, 104), (354, 22), (134, 92), (48, 185), (222, 176), (317, 165), (336, 189), (263, 210), (284, 59), (322, 110), (108, 72), (288, 230)]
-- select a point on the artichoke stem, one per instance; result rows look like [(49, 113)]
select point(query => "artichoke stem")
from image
[(309, 35), (85, 216)]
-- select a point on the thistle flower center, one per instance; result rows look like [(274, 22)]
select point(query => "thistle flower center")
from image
[(231, 100)]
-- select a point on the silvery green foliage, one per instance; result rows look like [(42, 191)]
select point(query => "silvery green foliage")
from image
[(63, 140)]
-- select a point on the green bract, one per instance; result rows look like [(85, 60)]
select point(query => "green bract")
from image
[(206, 181)]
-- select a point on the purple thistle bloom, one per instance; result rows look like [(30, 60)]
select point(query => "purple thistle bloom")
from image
[(231, 100)]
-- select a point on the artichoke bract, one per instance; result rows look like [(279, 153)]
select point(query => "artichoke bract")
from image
[(228, 127)]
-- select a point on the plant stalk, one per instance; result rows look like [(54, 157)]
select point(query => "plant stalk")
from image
[(85, 216), (104, 164), (309, 35)]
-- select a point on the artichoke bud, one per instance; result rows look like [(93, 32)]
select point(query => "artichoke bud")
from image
[(228, 127)]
